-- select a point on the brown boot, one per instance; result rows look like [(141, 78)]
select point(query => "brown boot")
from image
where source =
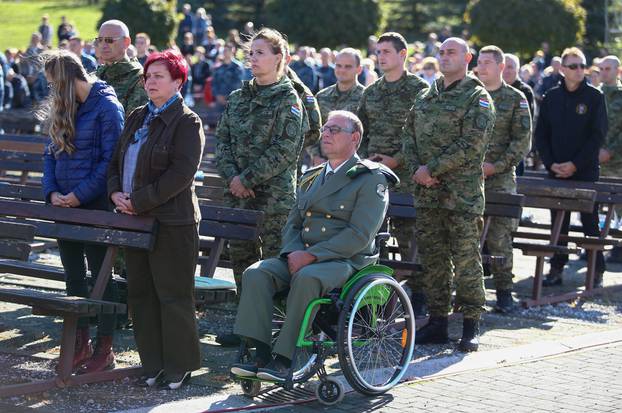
[(102, 359), (83, 350)]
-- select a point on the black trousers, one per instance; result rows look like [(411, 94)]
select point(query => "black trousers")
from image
[(161, 300), (72, 255), (589, 223)]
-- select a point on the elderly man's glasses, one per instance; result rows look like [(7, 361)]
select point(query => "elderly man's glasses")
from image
[(335, 129), (575, 66), (109, 40)]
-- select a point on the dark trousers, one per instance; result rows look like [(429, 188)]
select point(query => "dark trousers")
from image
[(589, 223), (72, 255), (161, 300)]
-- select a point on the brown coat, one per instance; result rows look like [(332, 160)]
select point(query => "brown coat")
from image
[(166, 164)]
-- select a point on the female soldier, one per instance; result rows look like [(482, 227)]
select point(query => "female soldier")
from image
[(260, 136), (152, 174), (85, 120)]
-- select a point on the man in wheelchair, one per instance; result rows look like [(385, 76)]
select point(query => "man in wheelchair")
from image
[(329, 235)]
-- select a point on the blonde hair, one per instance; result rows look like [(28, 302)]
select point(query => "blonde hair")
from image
[(573, 51), (62, 69), (278, 44)]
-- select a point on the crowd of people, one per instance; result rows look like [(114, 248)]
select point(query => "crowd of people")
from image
[(443, 123)]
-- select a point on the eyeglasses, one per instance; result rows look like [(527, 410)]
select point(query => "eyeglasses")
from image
[(109, 40), (575, 66), (335, 129)]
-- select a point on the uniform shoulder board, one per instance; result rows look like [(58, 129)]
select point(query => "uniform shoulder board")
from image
[(309, 176), (365, 165)]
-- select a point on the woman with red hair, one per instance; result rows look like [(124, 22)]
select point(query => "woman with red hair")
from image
[(152, 174)]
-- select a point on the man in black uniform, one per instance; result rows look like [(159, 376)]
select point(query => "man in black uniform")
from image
[(571, 128)]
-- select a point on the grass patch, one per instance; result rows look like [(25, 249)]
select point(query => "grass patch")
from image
[(19, 19)]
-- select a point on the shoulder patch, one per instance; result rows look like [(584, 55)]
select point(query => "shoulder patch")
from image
[(296, 110), (524, 104), (309, 99), (484, 103)]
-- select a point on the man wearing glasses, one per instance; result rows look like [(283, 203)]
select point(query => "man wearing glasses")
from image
[(571, 129), (329, 235), (125, 75)]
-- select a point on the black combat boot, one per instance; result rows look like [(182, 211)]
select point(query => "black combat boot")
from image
[(418, 301), (470, 335), (435, 332), (615, 256), (505, 302), (554, 277)]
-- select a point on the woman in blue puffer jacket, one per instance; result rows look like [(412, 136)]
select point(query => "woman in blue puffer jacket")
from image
[(85, 120)]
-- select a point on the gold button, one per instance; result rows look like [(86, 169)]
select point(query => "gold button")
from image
[(329, 216), (341, 207), (306, 245), (323, 229), (308, 214), (306, 229)]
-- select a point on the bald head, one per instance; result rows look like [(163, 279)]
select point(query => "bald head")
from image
[(116, 25), (454, 58), (609, 67), (113, 41), (457, 41)]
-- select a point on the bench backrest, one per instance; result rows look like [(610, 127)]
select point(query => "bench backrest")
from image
[(606, 192), (230, 223), (557, 197), (23, 143)]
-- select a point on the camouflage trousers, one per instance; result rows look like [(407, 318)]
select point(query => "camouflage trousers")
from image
[(448, 248), (243, 254), (499, 237)]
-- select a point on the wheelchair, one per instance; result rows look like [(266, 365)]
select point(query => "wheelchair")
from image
[(369, 323)]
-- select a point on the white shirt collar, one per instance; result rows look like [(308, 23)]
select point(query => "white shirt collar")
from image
[(329, 168)]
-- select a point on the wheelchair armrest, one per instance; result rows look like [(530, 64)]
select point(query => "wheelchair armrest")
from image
[(381, 240)]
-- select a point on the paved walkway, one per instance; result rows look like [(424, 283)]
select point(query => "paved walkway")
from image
[(588, 380)]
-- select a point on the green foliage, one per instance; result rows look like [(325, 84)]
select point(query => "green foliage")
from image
[(158, 18), (325, 22), (416, 18), (521, 26)]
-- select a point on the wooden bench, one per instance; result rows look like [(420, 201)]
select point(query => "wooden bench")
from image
[(22, 154), (98, 227)]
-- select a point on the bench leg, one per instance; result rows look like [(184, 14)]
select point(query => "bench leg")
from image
[(104, 273), (67, 348), (208, 269), (537, 279), (591, 269)]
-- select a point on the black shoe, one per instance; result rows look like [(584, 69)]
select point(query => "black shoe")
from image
[(470, 335), (505, 302), (276, 370), (228, 340), (435, 332), (615, 256), (175, 381), (418, 301), (150, 379), (554, 277), (598, 280)]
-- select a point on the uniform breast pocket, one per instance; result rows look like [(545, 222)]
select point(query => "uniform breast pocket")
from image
[(342, 208), (159, 157)]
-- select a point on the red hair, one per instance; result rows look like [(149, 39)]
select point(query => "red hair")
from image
[(174, 62)]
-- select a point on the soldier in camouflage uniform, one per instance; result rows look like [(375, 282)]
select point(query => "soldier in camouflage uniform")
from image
[(345, 94), (125, 75), (509, 143), (259, 139), (610, 156), (383, 110), (444, 142)]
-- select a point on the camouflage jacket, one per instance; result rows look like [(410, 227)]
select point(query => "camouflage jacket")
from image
[(126, 78), (331, 99), (510, 138), (613, 141), (448, 130), (383, 109), (312, 117), (259, 137)]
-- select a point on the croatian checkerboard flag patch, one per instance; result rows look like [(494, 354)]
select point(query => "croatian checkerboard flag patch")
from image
[(524, 104), (296, 110), (483, 102), (310, 99)]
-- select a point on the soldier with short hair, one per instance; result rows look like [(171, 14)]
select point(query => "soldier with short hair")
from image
[(444, 142), (383, 110), (125, 75), (509, 143)]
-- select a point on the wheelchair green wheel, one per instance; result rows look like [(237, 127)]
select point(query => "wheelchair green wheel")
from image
[(376, 334)]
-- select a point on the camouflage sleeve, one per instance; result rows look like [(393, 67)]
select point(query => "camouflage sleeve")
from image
[(520, 137), (312, 135), (408, 155), (284, 148), (476, 126), (225, 159), (614, 134), (136, 97), (362, 115)]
